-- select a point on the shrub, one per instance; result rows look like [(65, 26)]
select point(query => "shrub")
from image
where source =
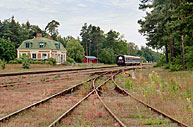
[(189, 57), (161, 62), (51, 61), (13, 62), (25, 62), (70, 60), (16, 61), (166, 66), (3, 63), (176, 67)]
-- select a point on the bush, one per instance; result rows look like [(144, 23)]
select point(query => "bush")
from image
[(189, 57), (13, 62), (161, 62), (51, 61), (176, 67), (25, 62), (3, 63), (70, 60), (166, 66), (16, 61)]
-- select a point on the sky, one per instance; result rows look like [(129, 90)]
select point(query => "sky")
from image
[(118, 15)]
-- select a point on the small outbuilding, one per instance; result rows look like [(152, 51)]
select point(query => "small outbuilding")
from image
[(90, 59)]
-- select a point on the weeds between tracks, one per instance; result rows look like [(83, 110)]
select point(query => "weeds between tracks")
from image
[(171, 92)]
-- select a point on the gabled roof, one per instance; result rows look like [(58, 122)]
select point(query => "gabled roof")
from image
[(91, 57), (48, 44)]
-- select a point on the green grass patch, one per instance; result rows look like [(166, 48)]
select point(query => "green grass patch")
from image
[(156, 122)]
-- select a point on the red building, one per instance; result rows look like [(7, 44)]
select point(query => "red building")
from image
[(90, 59)]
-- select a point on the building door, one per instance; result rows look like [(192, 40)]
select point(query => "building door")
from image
[(61, 59)]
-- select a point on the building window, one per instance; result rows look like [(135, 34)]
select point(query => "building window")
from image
[(42, 44), (44, 56), (58, 57), (59, 46), (27, 45), (24, 54), (34, 56)]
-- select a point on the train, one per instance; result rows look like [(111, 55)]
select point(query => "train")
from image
[(125, 60)]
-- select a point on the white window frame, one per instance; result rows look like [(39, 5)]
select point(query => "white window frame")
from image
[(32, 55)]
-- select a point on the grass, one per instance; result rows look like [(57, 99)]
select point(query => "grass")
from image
[(56, 77), (44, 79), (13, 98), (156, 122), (39, 67), (171, 92)]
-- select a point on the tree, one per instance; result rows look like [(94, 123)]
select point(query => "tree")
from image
[(62, 40), (7, 50), (169, 22), (132, 49), (107, 56), (115, 42), (10, 29), (96, 37), (52, 29), (92, 39), (75, 50), (33, 30)]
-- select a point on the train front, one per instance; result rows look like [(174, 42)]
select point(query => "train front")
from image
[(120, 60)]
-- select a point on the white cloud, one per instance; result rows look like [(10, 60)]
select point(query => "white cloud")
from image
[(82, 5)]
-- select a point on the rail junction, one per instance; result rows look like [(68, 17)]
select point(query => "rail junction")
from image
[(64, 107)]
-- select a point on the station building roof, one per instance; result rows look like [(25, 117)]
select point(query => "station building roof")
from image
[(91, 57), (47, 44)]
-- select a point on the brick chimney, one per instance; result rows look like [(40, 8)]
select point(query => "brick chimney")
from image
[(38, 35)]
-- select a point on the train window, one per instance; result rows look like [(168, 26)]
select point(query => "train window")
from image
[(120, 58)]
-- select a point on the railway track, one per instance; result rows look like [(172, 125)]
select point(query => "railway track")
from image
[(59, 122), (47, 77), (50, 101), (146, 113), (162, 114), (101, 92), (97, 86), (51, 71), (69, 90)]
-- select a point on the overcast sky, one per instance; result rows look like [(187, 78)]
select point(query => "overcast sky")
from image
[(119, 15)]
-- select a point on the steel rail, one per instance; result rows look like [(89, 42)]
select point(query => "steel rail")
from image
[(17, 84), (78, 103), (106, 107), (50, 71), (124, 92), (65, 91)]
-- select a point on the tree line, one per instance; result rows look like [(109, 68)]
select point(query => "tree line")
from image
[(94, 42), (169, 26)]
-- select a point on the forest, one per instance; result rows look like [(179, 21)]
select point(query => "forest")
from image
[(92, 42), (168, 25)]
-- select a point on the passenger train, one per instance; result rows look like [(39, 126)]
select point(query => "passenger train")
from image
[(124, 60)]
